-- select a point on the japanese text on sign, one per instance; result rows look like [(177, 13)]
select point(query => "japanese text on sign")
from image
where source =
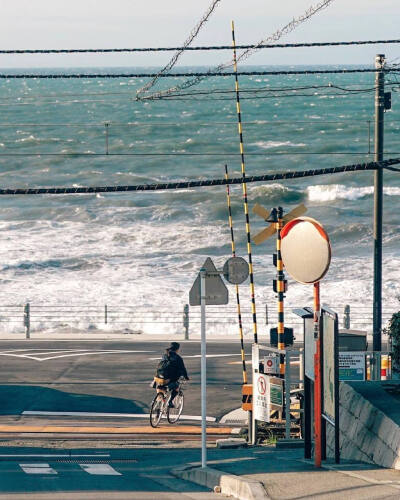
[(261, 402), (351, 366)]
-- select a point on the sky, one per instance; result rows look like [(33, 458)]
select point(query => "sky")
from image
[(39, 24)]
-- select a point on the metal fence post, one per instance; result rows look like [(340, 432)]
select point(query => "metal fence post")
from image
[(27, 320), (186, 320), (346, 317), (107, 128), (105, 314)]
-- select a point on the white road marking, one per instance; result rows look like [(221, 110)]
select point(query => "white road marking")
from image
[(95, 414), (100, 469), (37, 349), (83, 352), (37, 469), (224, 461), (29, 455), (86, 354), (208, 356)]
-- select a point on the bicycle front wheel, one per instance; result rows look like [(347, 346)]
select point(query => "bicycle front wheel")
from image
[(156, 410), (175, 412)]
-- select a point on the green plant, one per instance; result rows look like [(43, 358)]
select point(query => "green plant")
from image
[(393, 330)]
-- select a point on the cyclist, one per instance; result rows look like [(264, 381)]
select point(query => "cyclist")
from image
[(171, 368)]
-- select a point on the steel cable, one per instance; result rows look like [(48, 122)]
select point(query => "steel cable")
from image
[(203, 183)]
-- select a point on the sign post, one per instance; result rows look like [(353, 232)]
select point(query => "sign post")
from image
[(203, 369), (306, 254), (209, 289)]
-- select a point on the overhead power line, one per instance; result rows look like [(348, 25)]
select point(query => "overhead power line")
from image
[(191, 74), (200, 48), (288, 28), (195, 31), (387, 164)]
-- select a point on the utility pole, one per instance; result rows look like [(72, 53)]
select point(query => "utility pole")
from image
[(378, 204)]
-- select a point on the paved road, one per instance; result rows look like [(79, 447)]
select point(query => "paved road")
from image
[(109, 376), (106, 474)]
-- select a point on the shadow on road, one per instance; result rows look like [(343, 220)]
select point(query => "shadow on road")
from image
[(15, 399)]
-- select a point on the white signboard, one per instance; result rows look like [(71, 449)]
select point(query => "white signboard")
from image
[(328, 369), (255, 357), (309, 347), (351, 366), (271, 365), (261, 399)]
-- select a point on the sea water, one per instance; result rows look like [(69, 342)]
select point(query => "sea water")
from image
[(144, 249)]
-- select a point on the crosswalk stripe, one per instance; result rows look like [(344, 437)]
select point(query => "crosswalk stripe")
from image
[(100, 469), (37, 469)]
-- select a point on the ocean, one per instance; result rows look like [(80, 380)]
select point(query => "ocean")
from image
[(142, 250)]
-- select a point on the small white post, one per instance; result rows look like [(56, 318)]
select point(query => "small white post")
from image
[(287, 394), (203, 369)]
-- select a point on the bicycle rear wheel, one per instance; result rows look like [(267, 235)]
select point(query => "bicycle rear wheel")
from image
[(175, 412), (156, 410)]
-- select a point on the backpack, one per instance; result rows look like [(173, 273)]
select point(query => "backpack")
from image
[(164, 367)]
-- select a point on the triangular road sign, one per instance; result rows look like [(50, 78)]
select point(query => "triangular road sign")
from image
[(216, 291)]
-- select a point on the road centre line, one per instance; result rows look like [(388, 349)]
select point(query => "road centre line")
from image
[(95, 414), (199, 356)]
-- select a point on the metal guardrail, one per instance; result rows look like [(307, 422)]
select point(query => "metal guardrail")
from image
[(30, 316)]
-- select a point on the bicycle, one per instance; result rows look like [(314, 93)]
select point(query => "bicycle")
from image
[(160, 404)]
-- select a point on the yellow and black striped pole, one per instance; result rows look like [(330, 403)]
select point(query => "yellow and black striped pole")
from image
[(244, 186), (280, 289), (228, 199)]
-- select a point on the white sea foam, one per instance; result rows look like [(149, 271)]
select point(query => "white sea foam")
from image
[(276, 144), (331, 192)]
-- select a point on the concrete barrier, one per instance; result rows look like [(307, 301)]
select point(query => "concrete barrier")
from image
[(369, 424), (227, 484)]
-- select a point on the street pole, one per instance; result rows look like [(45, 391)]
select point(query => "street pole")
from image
[(378, 206), (203, 368), (317, 380)]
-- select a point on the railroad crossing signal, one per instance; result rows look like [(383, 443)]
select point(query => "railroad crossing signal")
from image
[(277, 221), (272, 228)]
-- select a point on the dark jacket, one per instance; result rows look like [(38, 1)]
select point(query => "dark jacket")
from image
[(177, 367)]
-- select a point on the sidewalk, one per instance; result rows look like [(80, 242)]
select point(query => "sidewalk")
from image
[(268, 473)]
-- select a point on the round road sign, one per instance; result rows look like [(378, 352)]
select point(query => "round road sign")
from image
[(262, 387), (305, 249), (236, 270)]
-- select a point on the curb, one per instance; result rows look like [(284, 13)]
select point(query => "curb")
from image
[(227, 484), (187, 429)]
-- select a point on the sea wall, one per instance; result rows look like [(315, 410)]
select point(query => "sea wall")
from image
[(367, 433)]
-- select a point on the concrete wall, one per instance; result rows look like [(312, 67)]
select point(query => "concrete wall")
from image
[(366, 433)]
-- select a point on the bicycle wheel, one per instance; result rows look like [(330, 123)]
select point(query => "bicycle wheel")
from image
[(174, 413), (156, 411)]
